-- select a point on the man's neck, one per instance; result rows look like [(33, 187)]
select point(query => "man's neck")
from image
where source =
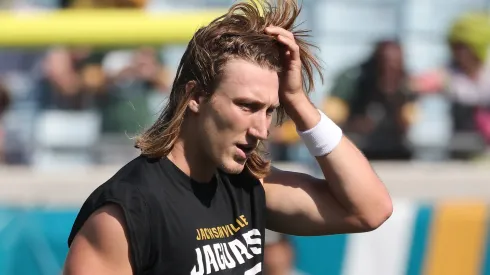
[(188, 157)]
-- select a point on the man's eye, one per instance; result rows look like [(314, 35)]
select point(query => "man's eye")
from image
[(246, 106)]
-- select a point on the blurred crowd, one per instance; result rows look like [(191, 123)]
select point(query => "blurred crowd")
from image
[(76, 105), (440, 114), (65, 99)]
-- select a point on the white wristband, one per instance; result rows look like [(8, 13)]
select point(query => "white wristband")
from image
[(323, 138)]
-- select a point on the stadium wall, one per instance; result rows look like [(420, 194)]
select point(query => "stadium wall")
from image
[(450, 238)]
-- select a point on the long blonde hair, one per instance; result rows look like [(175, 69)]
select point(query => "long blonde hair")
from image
[(237, 34)]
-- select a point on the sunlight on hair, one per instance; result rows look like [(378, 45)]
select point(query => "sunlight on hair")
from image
[(259, 4), (239, 33)]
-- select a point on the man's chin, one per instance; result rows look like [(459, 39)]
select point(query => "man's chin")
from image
[(234, 167)]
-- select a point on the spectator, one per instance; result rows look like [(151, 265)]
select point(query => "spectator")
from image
[(373, 103), (73, 79), (465, 82), (468, 83), (4, 99), (137, 77), (279, 255), (4, 104), (142, 65)]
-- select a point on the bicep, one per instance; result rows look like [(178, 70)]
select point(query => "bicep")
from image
[(300, 204), (101, 246)]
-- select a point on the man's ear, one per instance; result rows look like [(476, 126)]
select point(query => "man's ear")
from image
[(196, 96)]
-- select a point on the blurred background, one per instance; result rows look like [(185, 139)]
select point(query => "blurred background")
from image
[(407, 80)]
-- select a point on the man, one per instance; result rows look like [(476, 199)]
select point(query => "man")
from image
[(198, 199), (373, 102)]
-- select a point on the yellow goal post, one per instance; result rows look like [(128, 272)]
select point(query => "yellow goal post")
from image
[(101, 28)]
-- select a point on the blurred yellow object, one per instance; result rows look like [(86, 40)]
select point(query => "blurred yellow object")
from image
[(409, 112), (336, 109), (123, 27), (288, 132), (457, 240), (473, 29), (93, 77)]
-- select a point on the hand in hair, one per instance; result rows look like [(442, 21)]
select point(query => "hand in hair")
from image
[(291, 93), (291, 79)]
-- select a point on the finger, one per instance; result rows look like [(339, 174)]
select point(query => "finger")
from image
[(279, 31), (293, 48)]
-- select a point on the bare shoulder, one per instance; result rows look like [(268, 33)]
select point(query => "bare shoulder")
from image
[(101, 246), (298, 197), (288, 190)]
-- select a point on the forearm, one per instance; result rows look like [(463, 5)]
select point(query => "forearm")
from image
[(350, 177), (355, 185)]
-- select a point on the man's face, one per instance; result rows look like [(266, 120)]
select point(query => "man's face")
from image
[(238, 115)]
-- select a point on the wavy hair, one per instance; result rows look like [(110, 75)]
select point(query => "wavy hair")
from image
[(240, 33)]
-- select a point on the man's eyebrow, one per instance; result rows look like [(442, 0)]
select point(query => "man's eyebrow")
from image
[(275, 106), (256, 102)]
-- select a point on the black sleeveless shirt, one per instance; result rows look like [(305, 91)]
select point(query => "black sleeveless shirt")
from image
[(178, 226)]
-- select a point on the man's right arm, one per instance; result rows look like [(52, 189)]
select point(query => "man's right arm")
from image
[(101, 245)]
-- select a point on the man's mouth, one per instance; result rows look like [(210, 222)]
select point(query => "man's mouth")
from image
[(246, 148)]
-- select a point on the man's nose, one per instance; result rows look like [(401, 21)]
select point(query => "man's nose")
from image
[(260, 128)]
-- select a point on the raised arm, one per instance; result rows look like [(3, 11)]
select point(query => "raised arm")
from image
[(351, 199), (101, 246)]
